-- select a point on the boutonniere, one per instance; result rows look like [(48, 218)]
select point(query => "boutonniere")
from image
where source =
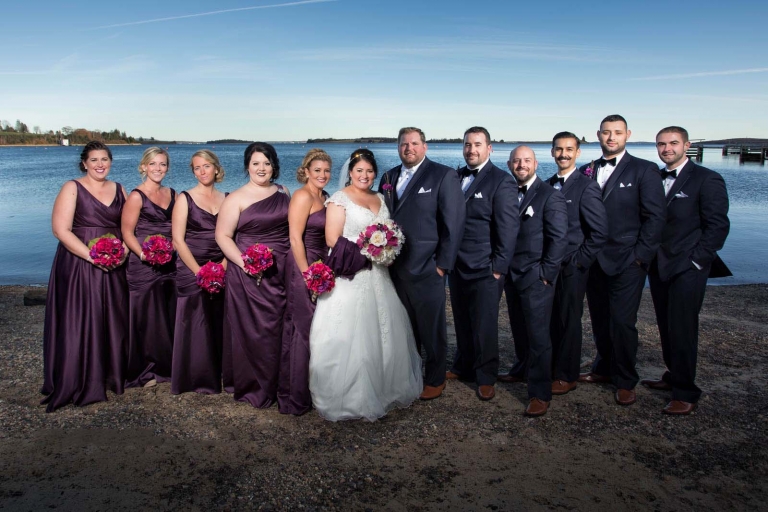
[(590, 170), (387, 186)]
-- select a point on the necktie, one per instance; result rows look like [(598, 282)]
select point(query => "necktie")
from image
[(467, 172), (666, 174), (402, 182), (610, 161)]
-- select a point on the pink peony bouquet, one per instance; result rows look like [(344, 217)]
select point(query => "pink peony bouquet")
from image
[(381, 242), (157, 250), (107, 251), (257, 259), (211, 277), (319, 278)]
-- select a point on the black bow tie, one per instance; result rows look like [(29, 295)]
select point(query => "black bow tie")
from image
[(610, 161), (522, 189), (666, 174), (467, 171), (560, 180)]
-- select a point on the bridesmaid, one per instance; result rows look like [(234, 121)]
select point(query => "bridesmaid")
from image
[(257, 212), (152, 289), (306, 221), (197, 333), (86, 313)]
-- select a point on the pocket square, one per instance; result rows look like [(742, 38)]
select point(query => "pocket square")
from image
[(422, 191), (681, 195), (568, 201), (621, 185), (529, 211), (479, 195)]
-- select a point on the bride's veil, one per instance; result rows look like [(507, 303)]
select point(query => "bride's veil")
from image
[(344, 173)]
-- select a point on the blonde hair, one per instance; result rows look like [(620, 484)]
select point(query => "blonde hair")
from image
[(147, 157), (311, 156), (210, 157)]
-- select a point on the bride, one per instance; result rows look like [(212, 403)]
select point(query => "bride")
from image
[(363, 358)]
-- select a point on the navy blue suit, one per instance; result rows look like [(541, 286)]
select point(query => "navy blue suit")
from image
[(634, 202), (539, 250), (431, 215), (587, 233), (696, 228), (487, 246)]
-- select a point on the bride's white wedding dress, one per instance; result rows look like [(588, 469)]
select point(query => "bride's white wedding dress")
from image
[(363, 359)]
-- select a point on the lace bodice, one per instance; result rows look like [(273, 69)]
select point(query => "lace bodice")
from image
[(358, 217)]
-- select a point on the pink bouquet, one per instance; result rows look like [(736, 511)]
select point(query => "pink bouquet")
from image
[(257, 259), (319, 278), (157, 250), (211, 277), (381, 242), (106, 251)]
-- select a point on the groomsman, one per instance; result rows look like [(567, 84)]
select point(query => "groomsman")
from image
[(426, 201), (696, 228), (634, 202), (484, 257), (587, 233), (530, 287)]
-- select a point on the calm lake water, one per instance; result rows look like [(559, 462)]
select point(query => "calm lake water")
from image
[(31, 177)]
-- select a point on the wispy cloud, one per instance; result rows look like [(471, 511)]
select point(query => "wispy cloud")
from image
[(211, 13), (701, 74)]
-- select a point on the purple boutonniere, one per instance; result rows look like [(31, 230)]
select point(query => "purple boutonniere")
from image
[(387, 186), (590, 170)]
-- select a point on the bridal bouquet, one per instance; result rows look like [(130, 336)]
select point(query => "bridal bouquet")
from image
[(106, 251), (157, 250), (319, 278), (211, 277), (381, 242), (257, 259)]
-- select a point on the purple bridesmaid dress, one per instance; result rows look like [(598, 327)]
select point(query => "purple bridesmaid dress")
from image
[(293, 395), (152, 292), (86, 314), (254, 325), (197, 333)]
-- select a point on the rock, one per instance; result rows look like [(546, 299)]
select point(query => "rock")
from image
[(35, 297)]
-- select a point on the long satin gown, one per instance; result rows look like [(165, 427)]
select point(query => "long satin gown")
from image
[(293, 394), (198, 330), (254, 312), (86, 314), (152, 292)]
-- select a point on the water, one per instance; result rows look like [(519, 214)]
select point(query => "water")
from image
[(30, 178)]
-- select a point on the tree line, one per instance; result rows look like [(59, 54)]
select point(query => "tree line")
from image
[(19, 133)]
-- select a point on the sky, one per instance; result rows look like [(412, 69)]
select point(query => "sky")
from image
[(290, 70)]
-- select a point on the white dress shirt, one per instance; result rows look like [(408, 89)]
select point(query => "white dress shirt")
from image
[(467, 181), (669, 180), (406, 174), (604, 173), (565, 177)]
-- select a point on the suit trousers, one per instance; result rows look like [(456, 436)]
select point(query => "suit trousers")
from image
[(475, 305), (424, 300), (565, 327), (678, 303), (529, 317), (613, 304)]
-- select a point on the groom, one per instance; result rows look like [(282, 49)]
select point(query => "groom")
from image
[(425, 199)]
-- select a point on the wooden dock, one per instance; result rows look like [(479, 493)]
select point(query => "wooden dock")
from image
[(747, 152)]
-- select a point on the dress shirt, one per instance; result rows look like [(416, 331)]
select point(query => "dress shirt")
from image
[(527, 186), (406, 174), (604, 173), (670, 180), (467, 181), (558, 186)]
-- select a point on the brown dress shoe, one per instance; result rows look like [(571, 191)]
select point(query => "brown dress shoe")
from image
[(658, 385), (625, 396), (449, 375), (432, 392), (485, 393), (536, 407), (509, 378), (679, 408), (594, 378), (561, 387)]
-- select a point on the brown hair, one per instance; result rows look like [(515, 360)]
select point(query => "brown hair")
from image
[(411, 129), (210, 157), (675, 129), (479, 129), (312, 155), (94, 145)]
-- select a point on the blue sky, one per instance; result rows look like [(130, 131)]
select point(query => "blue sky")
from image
[(281, 70)]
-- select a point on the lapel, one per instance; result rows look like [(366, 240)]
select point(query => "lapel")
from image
[(481, 176), (414, 183), (615, 175), (573, 178), (530, 194), (683, 176)]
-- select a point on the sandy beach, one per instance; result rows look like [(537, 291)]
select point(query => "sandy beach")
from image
[(148, 449)]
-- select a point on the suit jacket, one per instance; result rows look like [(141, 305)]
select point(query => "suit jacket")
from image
[(634, 201), (431, 215), (587, 221), (697, 222), (543, 236), (491, 224)]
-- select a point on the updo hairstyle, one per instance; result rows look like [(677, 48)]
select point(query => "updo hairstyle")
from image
[(147, 157), (94, 145), (311, 156), (210, 157), (365, 155), (268, 151)]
